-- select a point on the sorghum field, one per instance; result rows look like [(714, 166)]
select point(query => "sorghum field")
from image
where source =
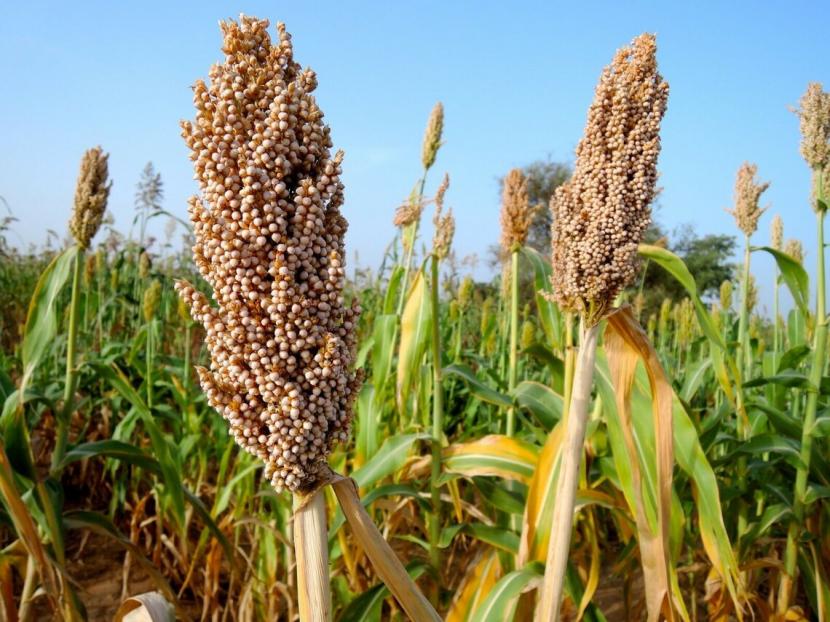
[(240, 429)]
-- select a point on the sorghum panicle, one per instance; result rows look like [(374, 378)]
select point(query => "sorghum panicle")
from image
[(814, 119), (444, 223), (432, 136), (91, 194), (794, 249), (516, 214), (747, 194), (269, 241), (602, 212), (777, 233)]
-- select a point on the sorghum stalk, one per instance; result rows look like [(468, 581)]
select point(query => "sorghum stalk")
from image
[(611, 190), (444, 230), (814, 117), (747, 212), (515, 223), (91, 194), (777, 242)]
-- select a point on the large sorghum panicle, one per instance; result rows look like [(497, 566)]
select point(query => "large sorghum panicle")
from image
[(602, 212), (747, 195), (91, 194), (814, 118), (269, 241), (515, 212)]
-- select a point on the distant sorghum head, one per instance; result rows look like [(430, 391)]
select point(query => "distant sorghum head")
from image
[(144, 265), (601, 214), (516, 214), (726, 289), (794, 249), (408, 213), (747, 194), (152, 297), (814, 118), (432, 136), (465, 291), (91, 194), (751, 294), (444, 223), (777, 233), (269, 241)]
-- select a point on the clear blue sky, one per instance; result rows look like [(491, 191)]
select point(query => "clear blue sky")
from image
[(515, 79)]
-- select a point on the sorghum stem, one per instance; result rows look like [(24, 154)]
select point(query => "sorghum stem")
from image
[(70, 378), (786, 591), (570, 459), (437, 422), (312, 552), (512, 370), (744, 363)]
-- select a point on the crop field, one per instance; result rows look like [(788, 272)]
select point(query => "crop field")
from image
[(249, 427)]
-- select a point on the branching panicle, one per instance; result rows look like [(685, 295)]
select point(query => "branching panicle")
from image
[(269, 241)]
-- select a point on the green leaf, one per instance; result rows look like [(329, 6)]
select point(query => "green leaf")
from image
[(549, 315), (795, 277), (793, 357), (42, 317), (774, 444), (477, 387), (674, 265), (787, 378), (542, 402), (389, 458), (500, 604), (367, 606), (111, 449), (163, 449)]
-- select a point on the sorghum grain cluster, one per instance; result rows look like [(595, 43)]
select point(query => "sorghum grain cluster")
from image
[(602, 212), (432, 136), (747, 194), (515, 212), (444, 223), (269, 241), (91, 194), (814, 118)]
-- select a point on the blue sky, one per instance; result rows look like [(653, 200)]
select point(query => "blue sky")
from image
[(515, 79)]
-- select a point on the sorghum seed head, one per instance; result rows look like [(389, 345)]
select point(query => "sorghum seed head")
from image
[(152, 296), (465, 291), (794, 249), (528, 334), (726, 289), (91, 194), (144, 265), (516, 214), (269, 241), (601, 214), (777, 233), (747, 194), (814, 119), (432, 136), (751, 294), (444, 223)]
